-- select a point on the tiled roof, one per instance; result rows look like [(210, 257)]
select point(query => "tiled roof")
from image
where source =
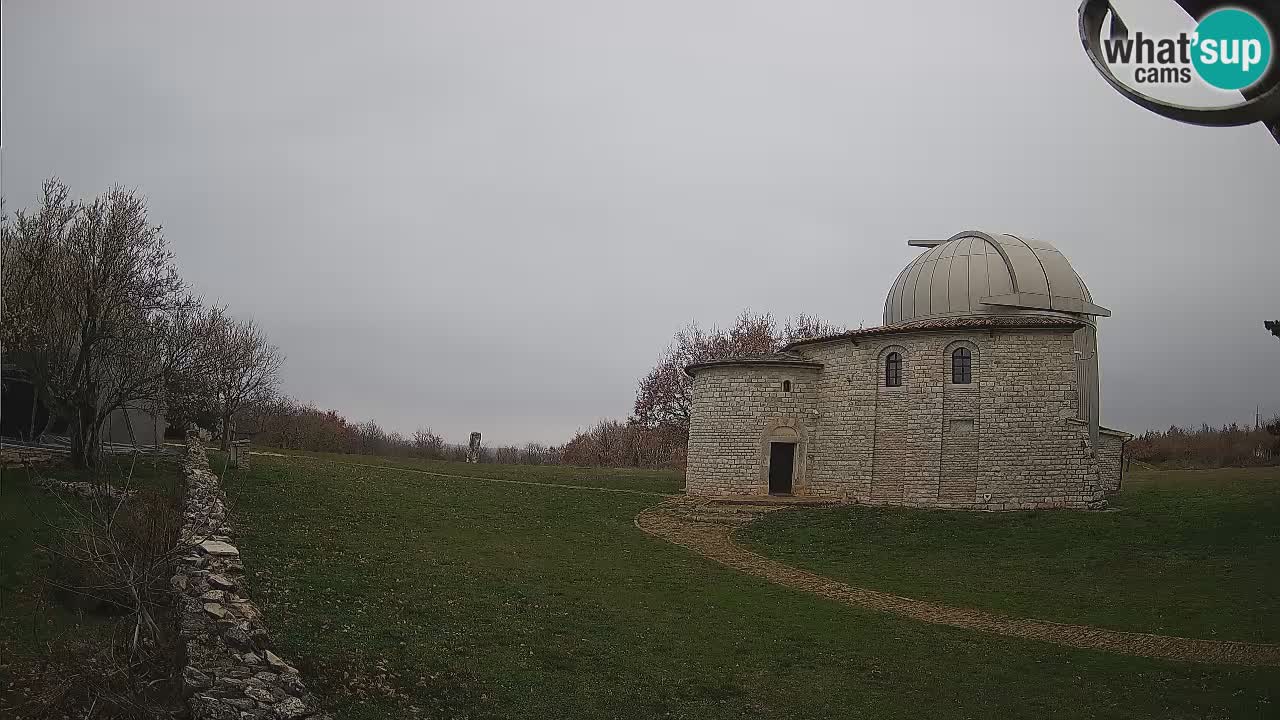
[(773, 358), (968, 322)]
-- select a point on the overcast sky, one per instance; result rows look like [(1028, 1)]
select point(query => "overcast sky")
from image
[(493, 215)]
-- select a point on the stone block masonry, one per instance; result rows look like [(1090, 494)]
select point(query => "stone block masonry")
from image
[(737, 411), (1111, 458), (1010, 439), (231, 671)]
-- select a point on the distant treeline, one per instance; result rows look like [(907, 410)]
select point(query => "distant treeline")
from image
[(1209, 447), (655, 436), (288, 424), (291, 425)]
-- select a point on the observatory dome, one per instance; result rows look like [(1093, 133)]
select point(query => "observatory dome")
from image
[(979, 273)]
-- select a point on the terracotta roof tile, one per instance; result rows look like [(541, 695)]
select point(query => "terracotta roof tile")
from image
[(773, 358), (967, 322)]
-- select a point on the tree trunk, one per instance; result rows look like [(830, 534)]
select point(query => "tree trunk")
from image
[(226, 432), (35, 405), (155, 423), (84, 437)]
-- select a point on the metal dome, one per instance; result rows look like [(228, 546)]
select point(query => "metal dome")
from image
[(978, 273)]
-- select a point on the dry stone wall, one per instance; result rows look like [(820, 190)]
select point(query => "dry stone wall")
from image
[(231, 671), (1008, 440)]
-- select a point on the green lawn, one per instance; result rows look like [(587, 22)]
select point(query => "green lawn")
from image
[(1190, 552), (403, 595), (653, 481)]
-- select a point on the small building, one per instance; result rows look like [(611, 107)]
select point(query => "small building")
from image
[(26, 416), (136, 425), (979, 391)]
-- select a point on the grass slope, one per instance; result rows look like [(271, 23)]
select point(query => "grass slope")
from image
[(405, 594), (651, 481), (1191, 553)]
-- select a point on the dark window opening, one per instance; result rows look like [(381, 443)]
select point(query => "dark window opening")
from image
[(786, 386), (893, 370), (961, 366)]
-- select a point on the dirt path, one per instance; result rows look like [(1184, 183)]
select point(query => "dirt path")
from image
[(692, 525)]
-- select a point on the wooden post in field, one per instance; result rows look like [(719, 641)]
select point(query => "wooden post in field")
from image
[(473, 448)]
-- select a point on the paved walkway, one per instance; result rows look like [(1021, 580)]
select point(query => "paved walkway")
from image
[(694, 525)]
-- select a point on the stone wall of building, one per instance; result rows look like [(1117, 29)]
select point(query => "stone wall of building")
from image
[(736, 409), (1034, 454), (1008, 440), (1111, 459), (231, 670), (960, 458)]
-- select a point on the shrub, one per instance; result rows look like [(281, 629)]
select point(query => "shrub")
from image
[(1209, 447)]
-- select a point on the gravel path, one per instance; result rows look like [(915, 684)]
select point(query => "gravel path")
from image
[(694, 525)]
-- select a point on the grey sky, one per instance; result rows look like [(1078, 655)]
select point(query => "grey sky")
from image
[(493, 215)]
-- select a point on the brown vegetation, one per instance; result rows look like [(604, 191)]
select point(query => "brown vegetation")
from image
[(1208, 447), (288, 424), (665, 395), (657, 434), (613, 443)]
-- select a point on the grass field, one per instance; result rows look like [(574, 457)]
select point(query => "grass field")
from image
[(1192, 552), (406, 594), (651, 481)]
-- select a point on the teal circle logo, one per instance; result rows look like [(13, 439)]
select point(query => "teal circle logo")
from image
[(1232, 49)]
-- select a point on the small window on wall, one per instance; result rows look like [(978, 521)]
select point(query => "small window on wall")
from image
[(786, 386), (893, 370), (961, 366)]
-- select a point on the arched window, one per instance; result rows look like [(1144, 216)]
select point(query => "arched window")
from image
[(893, 370), (786, 386), (961, 366)]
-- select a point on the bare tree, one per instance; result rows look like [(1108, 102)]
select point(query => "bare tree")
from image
[(90, 297), (806, 327), (190, 362), (428, 444), (246, 368), (26, 245), (664, 396), (373, 440)]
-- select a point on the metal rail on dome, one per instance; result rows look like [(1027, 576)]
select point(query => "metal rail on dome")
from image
[(1262, 100), (1019, 298)]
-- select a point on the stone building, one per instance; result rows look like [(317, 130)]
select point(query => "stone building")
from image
[(979, 391)]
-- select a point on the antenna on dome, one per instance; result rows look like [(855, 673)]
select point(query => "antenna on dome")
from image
[(925, 243)]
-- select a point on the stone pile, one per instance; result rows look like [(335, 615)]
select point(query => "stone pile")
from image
[(81, 488), (231, 672)]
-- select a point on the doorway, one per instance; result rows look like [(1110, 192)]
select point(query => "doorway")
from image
[(782, 461)]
